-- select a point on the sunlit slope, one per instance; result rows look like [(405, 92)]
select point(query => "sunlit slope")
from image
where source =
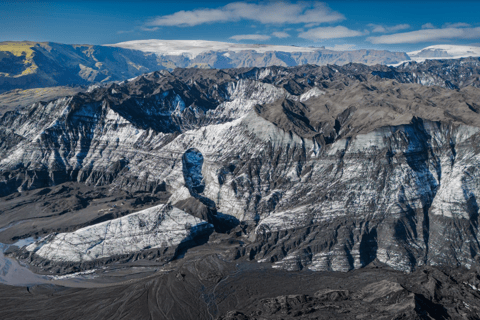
[(39, 64), (16, 59)]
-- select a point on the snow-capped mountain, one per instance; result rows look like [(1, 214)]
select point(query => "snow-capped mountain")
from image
[(213, 54), (192, 48), (444, 51)]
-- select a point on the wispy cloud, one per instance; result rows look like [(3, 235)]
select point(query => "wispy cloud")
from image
[(456, 25), (266, 13), (428, 26), (280, 34), (149, 29), (139, 29), (385, 29), (255, 37), (427, 35), (323, 33)]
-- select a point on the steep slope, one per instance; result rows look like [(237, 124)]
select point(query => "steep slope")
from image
[(18, 98), (28, 65), (325, 168)]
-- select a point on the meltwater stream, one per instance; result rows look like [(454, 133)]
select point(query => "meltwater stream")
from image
[(13, 273)]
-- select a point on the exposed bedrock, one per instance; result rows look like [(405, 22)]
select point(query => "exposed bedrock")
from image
[(330, 170)]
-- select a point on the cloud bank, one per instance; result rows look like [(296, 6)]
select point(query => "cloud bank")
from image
[(384, 29), (255, 37), (280, 34), (265, 13)]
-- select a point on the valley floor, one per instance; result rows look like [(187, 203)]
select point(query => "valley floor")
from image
[(203, 284)]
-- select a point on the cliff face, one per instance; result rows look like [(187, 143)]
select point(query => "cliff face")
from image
[(325, 168)]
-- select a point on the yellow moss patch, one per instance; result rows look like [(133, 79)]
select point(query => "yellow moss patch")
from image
[(20, 49), (130, 63), (32, 69)]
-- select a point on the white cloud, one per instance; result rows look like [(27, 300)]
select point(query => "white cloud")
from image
[(427, 35), (385, 29), (266, 13), (280, 34), (456, 25), (149, 29), (310, 25), (329, 33), (428, 26), (255, 37), (342, 47)]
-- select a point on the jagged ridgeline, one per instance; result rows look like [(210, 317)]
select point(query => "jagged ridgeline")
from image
[(320, 168)]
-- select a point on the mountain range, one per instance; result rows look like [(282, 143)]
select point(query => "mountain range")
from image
[(26, 65), (376, 156), (325, 191)]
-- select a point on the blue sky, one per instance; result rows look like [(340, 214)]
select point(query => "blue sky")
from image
[(392, 25)]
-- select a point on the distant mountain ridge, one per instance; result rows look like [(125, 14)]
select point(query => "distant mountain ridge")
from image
[(221, 55), (25, 65)]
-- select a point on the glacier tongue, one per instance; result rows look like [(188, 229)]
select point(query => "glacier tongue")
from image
[(157, 227)]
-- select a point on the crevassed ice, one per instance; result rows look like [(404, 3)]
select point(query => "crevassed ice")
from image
[(159, 226)]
